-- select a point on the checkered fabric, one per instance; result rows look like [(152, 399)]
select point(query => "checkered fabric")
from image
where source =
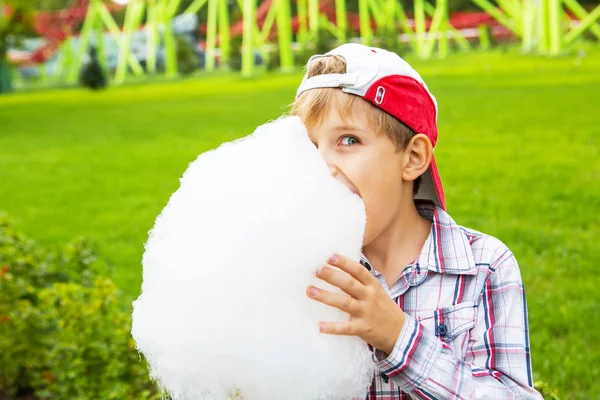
[(466, 333)]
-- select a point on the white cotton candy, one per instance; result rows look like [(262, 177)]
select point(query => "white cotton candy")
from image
[(223, 305)]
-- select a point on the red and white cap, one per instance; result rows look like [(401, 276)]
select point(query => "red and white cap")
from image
[(390, 83)]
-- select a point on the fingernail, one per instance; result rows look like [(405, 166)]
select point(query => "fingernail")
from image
[(313, 291), (317, 272), (333, 259), (322, 327)]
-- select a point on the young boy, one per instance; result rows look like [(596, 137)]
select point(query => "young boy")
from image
[(441, 306)]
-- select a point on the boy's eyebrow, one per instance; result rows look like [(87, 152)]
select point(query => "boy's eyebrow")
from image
[(345, 128)]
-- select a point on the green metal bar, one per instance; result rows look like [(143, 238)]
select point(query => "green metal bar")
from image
[(341, 20), (460, 40), (124, 43), (195, 7), (211, 35), (108, 21), (554, 25), (517, 8), (114, 30), (326, 24), (67, 56), (404, 24), (434, 30), (389, 11), (170, 47), (167, 11), (255, 25), (137, 20), (584, 24), (84, 40), (302, 17), (500, 16), (512, 9), (376, 13), (366, 33), (420, 27), (101, 51), (458, 37), (581, 13), (152, 35), (133, 15), (313, 18), (172, 7), (284, 35), (529, 13), (249, 25), (256, 31), (443, 47), (269, 21), (543, 40), (484, 37), (224, 31)]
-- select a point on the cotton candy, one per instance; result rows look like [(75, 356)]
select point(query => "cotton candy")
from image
[(223, 308)]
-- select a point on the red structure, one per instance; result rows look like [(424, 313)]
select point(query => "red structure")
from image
[(465, 21), (55, 27)]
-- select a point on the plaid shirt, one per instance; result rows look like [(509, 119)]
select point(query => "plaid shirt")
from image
[(466, 334)]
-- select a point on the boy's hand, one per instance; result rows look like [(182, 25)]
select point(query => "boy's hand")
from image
[(374, 316)]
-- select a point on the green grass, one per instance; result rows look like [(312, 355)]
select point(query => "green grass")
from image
[(518, 153)]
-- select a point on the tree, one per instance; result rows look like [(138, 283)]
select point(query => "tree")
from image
[(187, 62), (92, 76), (16, 22)]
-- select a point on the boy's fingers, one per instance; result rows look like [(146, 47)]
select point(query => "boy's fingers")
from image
[(356, 269), (340, 301), (338, 328), (343, 280)]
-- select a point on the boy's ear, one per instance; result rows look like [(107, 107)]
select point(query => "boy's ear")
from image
[(418, 155)]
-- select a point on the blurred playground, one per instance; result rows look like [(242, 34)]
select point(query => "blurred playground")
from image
[(518, 87), (49, 41)]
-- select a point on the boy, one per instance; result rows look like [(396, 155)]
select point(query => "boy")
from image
[(441, 306)]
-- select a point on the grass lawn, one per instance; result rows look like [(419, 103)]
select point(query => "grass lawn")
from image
[(518, 153)]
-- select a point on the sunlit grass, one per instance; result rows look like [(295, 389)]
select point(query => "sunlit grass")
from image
[(518, 153)]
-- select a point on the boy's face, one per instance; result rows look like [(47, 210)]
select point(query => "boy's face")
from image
[(367, 162)]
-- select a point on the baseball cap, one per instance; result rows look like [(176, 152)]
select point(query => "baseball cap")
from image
[(390, 83)]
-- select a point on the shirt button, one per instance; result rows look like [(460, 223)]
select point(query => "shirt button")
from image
[(442, 330), (384, 377)]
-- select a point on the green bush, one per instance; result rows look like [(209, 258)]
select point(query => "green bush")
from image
[(235, 54), (64, 333), (90, 353), (389, 39), (186, 57), (92, 75)]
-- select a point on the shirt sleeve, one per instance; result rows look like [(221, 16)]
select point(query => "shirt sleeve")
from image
[(497, 361)]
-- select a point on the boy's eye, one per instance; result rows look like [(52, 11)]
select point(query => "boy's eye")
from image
[(349, 141)]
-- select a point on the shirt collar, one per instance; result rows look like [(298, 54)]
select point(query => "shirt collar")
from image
[(447, 248)]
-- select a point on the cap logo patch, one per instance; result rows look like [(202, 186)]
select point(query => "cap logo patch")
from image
[(379, 95)]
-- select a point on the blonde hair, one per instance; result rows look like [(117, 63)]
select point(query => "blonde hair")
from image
[(313, 105)]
